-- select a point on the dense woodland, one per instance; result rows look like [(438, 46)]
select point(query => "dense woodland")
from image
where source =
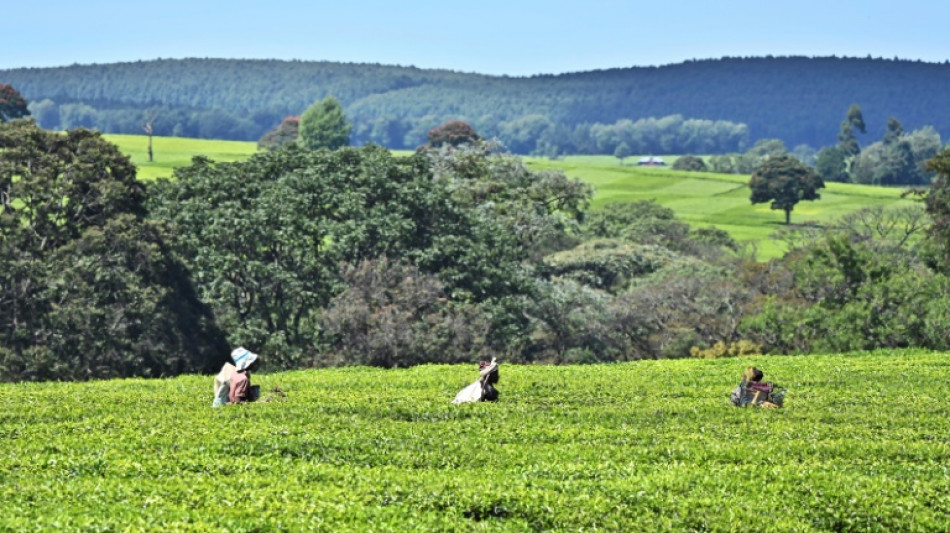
[(456, 253), (707, 107)]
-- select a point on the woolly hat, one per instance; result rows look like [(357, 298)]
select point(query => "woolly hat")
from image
[(243, 357)]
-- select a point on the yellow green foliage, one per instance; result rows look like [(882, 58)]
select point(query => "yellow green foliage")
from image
[(722, 349), (860, 445)]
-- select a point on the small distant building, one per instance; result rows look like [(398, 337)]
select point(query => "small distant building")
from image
[(651, 162)]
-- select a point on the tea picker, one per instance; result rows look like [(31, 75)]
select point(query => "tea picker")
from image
[(483, 389), (233, 382), (752, 391)]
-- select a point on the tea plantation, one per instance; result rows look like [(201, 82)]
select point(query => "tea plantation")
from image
[(863, 444)]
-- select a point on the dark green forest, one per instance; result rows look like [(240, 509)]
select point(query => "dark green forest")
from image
[(703, 106)]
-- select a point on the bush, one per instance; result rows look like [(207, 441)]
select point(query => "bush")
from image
[(721, 349), (452, 133), (283, 134), (570, 320), (392, 315), (690, 163), (688, 302), (607, 264), (852, 296)]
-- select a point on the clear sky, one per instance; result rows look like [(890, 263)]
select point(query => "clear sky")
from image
[(487, 36)]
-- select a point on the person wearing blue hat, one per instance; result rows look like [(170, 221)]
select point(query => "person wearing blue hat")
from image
[(233, 382)]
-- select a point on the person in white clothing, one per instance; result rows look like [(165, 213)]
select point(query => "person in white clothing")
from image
[(483, 389)]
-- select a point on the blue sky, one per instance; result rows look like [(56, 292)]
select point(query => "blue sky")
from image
[(488, 36)]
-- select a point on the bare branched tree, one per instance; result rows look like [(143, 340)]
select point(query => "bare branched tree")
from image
[(148, 122)]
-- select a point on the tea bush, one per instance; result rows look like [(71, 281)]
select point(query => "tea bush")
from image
[(861, 445)]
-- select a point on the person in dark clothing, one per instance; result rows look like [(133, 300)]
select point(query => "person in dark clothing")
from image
[(482, 390), (752, 391), (489, 377)]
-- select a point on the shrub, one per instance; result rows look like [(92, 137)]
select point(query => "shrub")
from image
[(690, 163), (391, 314), (721, 349), (607, 264), (283, 134), (452, 133)]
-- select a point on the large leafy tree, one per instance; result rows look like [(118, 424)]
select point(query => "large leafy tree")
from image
[(12, 104), (898, 158), (785, 181), (267, 237), (324, 125), (88, 286), (888, 164), (539, 209)]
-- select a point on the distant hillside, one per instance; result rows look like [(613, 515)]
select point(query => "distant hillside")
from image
[(796, 99)]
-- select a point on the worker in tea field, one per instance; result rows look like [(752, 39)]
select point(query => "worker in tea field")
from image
[(753, 391), (233, 382), (483, 389)]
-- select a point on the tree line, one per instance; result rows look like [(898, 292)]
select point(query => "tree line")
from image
[(458, 252), (722, 105), (898, 159)]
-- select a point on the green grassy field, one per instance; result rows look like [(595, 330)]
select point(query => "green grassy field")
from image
[(863, 444), (721, 200), (171, 152), (700, 199)]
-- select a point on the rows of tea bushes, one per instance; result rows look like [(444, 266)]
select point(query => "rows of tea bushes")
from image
[(863, 444)]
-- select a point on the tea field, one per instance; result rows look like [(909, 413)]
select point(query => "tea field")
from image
[(863, 444)]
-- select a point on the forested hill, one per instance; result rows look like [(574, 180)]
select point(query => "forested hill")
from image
[(796, 99)]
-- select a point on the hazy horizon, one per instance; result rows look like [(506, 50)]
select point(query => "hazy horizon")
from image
[(145, 60), (492, 37)]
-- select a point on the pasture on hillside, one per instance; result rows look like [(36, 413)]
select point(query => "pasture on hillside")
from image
[(863, 444), (697, 198), (720, 200), (172, 152)]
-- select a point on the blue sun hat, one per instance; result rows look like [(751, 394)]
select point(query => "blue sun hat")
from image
[(243, 357)]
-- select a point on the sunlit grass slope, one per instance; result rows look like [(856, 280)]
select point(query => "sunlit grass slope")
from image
[(709, 199), (862, 445), (171, 152)]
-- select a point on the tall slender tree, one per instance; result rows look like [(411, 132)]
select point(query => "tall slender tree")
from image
[(847, 142), (856, 118), (895, 130)]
